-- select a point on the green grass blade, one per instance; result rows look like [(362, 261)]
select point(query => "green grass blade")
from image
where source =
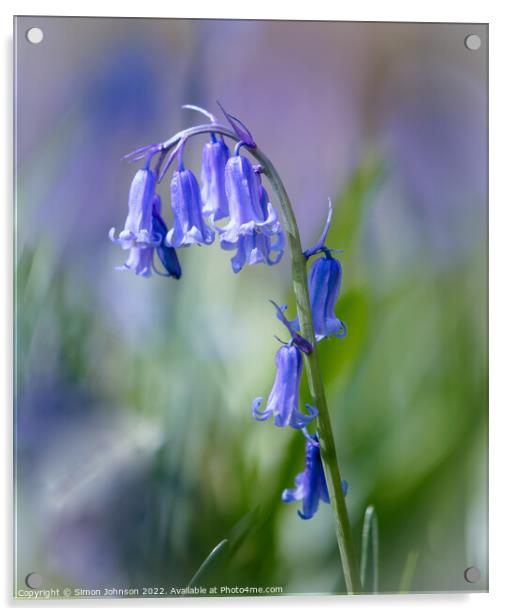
[(208, 561), (370, 531)]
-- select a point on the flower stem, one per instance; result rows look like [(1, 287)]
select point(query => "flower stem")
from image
[(316, 385)]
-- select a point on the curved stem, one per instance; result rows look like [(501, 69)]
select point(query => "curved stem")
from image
[(315, 383)]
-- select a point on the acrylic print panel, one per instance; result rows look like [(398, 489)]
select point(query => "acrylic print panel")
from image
[(177, 433)]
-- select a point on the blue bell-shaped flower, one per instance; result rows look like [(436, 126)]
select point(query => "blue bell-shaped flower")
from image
[(189, 225), (325, 279), (215, 155), (283, 401), (255, 243), (245, 207), (311, 487), (138, 226)]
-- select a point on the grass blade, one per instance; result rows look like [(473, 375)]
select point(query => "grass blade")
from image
[(370, 531), (208, 561)]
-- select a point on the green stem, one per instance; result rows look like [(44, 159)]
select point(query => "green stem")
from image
[(316, 385)]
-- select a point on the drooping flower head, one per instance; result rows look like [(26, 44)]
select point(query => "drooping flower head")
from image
[(141, 256), (215, 155), (324, 280), (283, 401), (189, 225), (144, 230), (256, 246), (245, 206), (311, 487), (138, 226), (253, 230)]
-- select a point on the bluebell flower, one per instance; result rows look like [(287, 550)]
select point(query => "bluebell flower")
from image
[(142, 231), (189, 225), (141, 256), (138, 226), (311, 487), (283, 401), (245, 206), (253, 230), (325, 279), (324, 282), (215, 155)]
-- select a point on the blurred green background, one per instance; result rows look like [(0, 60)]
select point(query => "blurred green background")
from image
[(136, 452)]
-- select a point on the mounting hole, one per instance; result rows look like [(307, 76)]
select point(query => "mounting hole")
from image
[(34, 36), (472, 575), (473, 42), (34, 580)]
